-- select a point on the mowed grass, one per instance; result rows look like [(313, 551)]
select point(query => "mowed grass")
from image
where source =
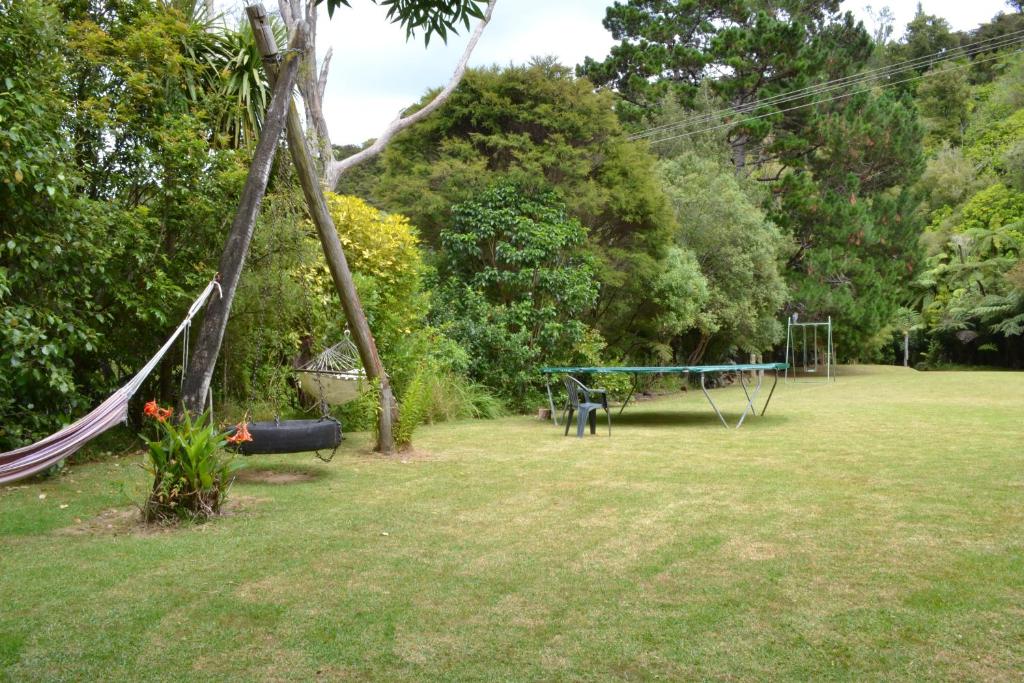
[(867, 530)]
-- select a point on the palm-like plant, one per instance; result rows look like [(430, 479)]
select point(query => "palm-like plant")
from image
[(906, 320), (244, 89), (222, 72), (972, 283)]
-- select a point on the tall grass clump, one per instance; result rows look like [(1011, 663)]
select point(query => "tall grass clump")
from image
[(438, 395)]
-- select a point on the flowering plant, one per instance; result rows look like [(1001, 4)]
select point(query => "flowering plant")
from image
[(191, 470)]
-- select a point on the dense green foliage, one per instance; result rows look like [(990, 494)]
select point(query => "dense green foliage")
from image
[(837, 168), (125, 133), (538, 127), (737, 252), (755, 50), (112, 197), (515, 283), (675, 214), (970, 291)]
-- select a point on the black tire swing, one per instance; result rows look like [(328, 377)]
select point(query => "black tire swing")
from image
[(293, 436), (333, 378)]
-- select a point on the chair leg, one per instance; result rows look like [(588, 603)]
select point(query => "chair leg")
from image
[(568, 420), (585, 416), (593, 422)]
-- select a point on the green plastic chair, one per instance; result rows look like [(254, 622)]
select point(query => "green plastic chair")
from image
[(586, 410)]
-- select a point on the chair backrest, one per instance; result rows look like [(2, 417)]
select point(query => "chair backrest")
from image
[(574, 387)]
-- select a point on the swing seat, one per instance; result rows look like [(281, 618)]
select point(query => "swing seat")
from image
[(334, 388), (335, 376), (292, 436)]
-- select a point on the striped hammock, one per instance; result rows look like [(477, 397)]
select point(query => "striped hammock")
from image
[(27, 460)]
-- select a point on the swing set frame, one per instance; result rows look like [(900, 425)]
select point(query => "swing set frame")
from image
[(792, 330)]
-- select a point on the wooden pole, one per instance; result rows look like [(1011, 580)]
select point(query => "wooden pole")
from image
[(211, 333), (333, 252)]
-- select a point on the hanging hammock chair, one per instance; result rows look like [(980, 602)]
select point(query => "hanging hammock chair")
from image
[(335, 376)]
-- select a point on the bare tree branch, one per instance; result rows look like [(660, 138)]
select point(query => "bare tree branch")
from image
[(333, 169), (322, 83), (288, 11)]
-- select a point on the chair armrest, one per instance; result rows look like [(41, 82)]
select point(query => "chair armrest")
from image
[(603, 393)]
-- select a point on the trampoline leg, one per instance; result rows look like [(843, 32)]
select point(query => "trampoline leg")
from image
[(551, 400), (750, 400), (744, 385), (708, 397), (769, 400), (632, 390)]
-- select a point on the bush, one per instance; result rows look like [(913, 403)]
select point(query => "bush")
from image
[(516, 283), (438, 395), (383, 252), (191, 471)]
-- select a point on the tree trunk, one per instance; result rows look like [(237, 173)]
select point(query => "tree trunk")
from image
[(335, 255), (739, 154), (906, 349), (310, 84), (698, 352), (215, 320)]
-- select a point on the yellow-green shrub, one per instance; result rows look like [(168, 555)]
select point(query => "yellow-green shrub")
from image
[(384, 255)]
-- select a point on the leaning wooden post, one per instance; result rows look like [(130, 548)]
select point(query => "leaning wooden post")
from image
[(336, 261), (211, 333)]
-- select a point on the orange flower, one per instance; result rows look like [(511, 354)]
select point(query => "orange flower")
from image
[(156, 412), (241, 433)]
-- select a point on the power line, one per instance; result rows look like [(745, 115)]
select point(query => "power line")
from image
[(846, 81), (880, 72), (811, 104)]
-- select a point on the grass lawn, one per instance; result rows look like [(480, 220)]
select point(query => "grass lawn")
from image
[(868, 530)]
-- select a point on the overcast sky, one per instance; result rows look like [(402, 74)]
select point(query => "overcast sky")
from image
[(375, 72)]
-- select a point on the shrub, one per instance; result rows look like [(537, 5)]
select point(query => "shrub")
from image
[(516, 283), (436, 395), (383, 252), (191, 471)]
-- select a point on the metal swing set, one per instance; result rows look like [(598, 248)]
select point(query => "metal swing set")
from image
[(809, 359)]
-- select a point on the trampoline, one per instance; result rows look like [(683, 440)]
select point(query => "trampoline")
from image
[(701, 370)]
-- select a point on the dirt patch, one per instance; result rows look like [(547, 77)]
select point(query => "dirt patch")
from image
[(114, 522), (412, 454), (128, 521), (273, 477)]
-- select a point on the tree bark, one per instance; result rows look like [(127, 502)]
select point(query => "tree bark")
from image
[(310, 84), (232, 261), (335, 255), (311, 87), (698, 352), (906, 349)]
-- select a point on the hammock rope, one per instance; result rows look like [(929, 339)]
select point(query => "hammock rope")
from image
[(28, 460)]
